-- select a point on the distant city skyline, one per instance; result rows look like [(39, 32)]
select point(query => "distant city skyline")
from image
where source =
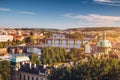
[(59, 14)]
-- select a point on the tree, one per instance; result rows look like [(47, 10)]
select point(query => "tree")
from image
[(1, 45), (35, 59), (30, 40), (74, 54), (53, 55), (60, 74), (47, 34), (103, 69), (5, 70)]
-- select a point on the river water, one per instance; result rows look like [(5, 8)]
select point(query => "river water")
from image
[(56, 44), (64, 44)]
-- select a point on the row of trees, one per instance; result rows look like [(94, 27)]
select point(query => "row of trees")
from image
[(30, 40), (75, 36), (52, 55), (17, 42), (101, 28), (57, 54), (103, 69)]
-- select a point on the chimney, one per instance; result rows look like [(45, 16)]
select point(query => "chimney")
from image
[(44, 66), (30, 65), (23, 63), (34, 65)]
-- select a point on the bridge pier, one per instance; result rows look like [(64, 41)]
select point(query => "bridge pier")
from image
[(60, 42), (67, 42), (52, 42), (75, 42), (46, 41), (39, 41), (82, 43)]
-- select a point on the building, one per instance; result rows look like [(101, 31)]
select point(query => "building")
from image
[(19, 36), (22, 69), (87, 48), (32, 72), (5, 38), (3, 51), (104, 45)]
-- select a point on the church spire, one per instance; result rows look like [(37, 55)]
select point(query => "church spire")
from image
[(104, 35)]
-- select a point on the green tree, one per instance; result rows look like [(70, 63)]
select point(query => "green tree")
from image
[(53, 55), (30, 40), (1, 45), (74, 54), (35, 59), (5, 70), (60, 74), (103, 69)]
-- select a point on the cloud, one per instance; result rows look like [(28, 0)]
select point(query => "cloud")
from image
[(103, 1), (27, 12), (5, 9), (96, 19), (108, 2), (21, 12), (92, 17)]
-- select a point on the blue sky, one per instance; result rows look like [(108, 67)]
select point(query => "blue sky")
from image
[(59, 14)]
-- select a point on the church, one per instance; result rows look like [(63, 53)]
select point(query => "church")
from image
[(103, 46)]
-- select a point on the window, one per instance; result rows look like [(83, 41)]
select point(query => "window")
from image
[(41, 79), (28, 78), (101, 44), (24, 77), (20, 76), (36, 78), (32, 78)]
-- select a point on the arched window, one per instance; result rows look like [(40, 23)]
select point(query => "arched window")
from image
[(20, 76), (36, 78), (101, 44), (32, 78), (28, 78), (24, 77)]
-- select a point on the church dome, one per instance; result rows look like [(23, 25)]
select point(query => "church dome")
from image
[(20, 59), (104, 43)]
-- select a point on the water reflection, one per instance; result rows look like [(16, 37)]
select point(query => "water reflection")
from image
[(64, 43)]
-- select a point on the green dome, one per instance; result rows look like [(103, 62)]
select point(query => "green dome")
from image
[(104, 43), (20, 59)]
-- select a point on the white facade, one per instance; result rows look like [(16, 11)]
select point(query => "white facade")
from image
[(87, 48), (5, 38), (29, 76)]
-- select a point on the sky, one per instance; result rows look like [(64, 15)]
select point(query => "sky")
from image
[(59, 14)]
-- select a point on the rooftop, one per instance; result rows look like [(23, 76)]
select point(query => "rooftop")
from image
[(104, 43), (20, 59), (33, 68)]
